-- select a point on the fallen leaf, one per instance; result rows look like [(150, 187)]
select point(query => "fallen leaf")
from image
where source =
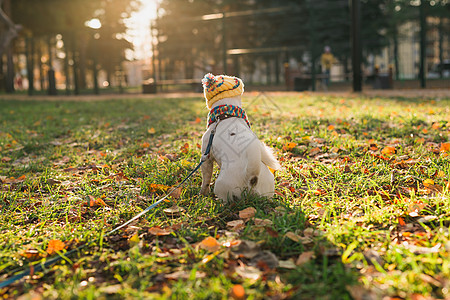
[(304, 258), (248, 272), (145, 145), (209, 244), (388, 150), (96, 202), (30, 253), (152, 130), (293, 236), (287, 264), (289, 146), (158, 231), (54, 246), (173, 211), (237, 292), (110, 289), (134, 240), (176, 193), (236, 225), (247, 213), (184, 275), (330, 127), (262, 222), (428, 182), (445, 147), (314, 151), (6, 159)]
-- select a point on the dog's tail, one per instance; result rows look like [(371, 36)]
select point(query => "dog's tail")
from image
[(268, 157)]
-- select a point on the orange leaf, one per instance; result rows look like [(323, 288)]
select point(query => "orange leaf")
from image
[(314, 151), (55, 245), (436, 125), (401, 221), (30, 254), (428, 182), (198, 120), (209, 244), (237, 292), (289, 146), (145, 145), (96, 202), (445, 147), (330, 127), (151, 130), (388, 150)]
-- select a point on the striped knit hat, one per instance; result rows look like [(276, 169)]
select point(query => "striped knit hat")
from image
[(220, 87)]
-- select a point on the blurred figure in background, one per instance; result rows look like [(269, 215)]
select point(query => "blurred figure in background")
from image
[(326, 60)]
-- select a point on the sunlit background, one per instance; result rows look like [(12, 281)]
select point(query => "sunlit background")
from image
[(85, 46), (139, 30)]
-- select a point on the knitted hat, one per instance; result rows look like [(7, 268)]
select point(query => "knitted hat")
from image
[(220, 87)]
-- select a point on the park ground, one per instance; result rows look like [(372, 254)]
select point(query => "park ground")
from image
[(361, 210)]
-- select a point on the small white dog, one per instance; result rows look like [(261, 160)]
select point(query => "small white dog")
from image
[(242, 158)]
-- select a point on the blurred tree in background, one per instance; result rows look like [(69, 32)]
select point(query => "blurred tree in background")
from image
[(212, 35), (60, 25), (292, 28)]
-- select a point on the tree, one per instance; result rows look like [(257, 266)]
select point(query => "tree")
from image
[(10, 32)]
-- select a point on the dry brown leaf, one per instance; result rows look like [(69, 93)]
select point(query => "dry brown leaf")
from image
[(287, 264), (173, 211), (176, 193), (304, 258), (249, 272), (184, 275), (262, 222), (293, 236), (314, 151), (236, 225), (247, 213), (158, 231)]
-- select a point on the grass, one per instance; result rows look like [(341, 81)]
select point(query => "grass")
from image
[(361, 209)]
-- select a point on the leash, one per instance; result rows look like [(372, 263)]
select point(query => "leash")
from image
[(45, 263)]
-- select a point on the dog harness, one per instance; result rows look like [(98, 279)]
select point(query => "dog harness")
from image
[(225, 111)]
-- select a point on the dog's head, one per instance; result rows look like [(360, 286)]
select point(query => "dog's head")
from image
[(219, 87)]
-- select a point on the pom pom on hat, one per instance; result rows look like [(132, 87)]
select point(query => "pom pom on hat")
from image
[(220, 87)]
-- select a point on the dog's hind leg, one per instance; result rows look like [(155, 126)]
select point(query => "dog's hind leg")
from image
[(253, 167), (207, 170)]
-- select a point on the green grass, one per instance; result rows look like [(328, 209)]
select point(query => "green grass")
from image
[(363, 197)]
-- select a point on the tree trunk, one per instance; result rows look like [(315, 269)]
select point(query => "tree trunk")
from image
[(41, 69), (12, 30), (397, 66), (30, 64), (441, 42), (82, 64)]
